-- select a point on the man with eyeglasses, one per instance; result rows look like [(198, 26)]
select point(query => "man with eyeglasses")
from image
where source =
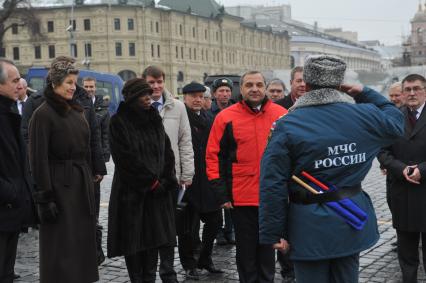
[(405, 162), (298, 88), (275, 89)]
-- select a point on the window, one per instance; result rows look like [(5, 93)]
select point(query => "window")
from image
[(152, 50), (50, 26), (15, 53), (190, 53), (2, 52), (193, 32), (14, 29), (74, 25), (207, 55), (205, 34), (158, 51), (35, 28), (181, 52), (202, 54), (37, 52), (87, 50), (117, 24), (157, 27), (130, 24), (118, 49), (51, 51), (132, 49), (74, 50), (180, 30), (195, 54), (177, 52), (87, 24), (217, 36)]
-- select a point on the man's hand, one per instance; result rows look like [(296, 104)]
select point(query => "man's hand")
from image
[(97, 178), (186, 183), (283, 246), (413, 176), (384, 172), (351, 90), (227, 205)]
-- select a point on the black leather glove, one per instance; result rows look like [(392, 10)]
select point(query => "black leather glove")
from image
[(47, 212)]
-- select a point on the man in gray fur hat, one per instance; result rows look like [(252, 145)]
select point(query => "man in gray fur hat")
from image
[(334, 137)]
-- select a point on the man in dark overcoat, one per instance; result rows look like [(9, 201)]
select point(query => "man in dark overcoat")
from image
[(16, 203), (405, 162), (200, 198)]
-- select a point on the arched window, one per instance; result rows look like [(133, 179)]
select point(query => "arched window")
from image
[(127, 75), (180, 76)]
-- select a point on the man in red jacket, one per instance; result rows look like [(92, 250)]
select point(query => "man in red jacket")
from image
[(235, 147)]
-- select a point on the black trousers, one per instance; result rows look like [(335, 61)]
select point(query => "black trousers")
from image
[(142, 266), (97, 187), (408, 254), (8, 246), (167, 258), (188, 241), (255, 262), (286, 264)]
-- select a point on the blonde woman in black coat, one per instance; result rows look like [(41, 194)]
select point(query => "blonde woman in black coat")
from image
[(141, 208)]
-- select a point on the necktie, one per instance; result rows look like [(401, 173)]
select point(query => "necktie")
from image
[(22, 107), (412, 117), (156, 104)]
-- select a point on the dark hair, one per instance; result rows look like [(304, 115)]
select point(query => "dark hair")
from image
[(297, 69), (253, 72), (414, 77), (134, 88), (89, 79), (153, 71)]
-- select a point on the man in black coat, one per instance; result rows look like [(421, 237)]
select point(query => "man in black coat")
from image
[(102, 116), (16, 203), (80, 95), (405, 162), (297, 88), (200, 198)]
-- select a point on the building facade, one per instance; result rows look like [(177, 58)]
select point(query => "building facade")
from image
[(125, 38), (417, 40)]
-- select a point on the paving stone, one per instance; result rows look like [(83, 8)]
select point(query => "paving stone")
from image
[(377, 264)]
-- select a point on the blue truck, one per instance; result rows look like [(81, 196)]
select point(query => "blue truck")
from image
[(108, 85)]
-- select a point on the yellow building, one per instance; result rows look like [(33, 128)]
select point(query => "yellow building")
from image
[(125, 38)]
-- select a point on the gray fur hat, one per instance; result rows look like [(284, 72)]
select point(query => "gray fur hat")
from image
[(324, 71)]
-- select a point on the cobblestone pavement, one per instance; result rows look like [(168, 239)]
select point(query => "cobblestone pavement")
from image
[(379, 264)]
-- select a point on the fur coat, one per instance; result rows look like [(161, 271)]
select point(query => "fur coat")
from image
[(140, 217)]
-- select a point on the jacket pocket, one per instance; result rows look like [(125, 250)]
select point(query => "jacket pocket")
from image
[(8, 192)]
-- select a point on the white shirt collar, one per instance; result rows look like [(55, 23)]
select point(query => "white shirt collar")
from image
[(161, 100), (93, 99), (419, 110)]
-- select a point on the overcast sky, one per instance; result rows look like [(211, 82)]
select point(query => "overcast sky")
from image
[(385, 20)]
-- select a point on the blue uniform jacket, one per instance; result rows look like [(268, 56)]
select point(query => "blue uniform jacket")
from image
[(335, 140)]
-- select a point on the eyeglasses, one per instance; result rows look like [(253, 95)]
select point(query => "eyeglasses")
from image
[(415, 89)]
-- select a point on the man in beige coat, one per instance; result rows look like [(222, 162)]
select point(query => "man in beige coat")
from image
[(176, 124)]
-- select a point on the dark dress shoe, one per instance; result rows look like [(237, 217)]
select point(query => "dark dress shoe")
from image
[(210, 268), (192, 274), (16, 276)]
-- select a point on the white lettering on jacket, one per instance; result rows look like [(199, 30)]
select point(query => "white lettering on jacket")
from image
[(333, 160)]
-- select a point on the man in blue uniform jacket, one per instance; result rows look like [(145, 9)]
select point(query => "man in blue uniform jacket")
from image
[(334, 137)]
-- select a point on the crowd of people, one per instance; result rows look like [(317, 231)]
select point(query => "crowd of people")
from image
[(271, 173)]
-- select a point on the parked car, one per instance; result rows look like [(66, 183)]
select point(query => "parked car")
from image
[(108, 85), (235, 80)]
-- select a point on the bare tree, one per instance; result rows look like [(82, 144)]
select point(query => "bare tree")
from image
[(18, 13)]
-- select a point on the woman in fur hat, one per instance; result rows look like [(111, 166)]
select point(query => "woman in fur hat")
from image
[(141, 208), (60, 158)]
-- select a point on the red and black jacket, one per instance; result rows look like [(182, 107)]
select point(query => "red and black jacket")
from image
[(236, 143)]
